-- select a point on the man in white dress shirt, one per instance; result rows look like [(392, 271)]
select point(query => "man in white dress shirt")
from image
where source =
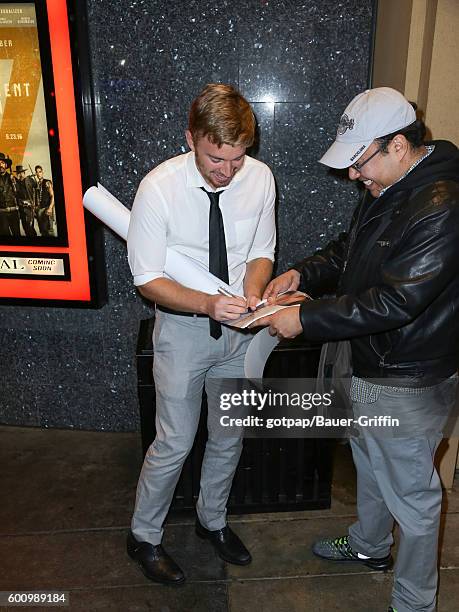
[(215, 205)]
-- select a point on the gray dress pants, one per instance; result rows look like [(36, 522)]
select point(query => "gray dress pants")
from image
[(186, 358), (396, 479)]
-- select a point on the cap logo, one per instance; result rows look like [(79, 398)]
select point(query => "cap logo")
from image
[(357, 153), (345, 124)]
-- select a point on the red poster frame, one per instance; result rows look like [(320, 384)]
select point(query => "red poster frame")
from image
[(78, 290)]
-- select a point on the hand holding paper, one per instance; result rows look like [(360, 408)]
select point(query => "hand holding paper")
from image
[(284, 323), (288, 281)]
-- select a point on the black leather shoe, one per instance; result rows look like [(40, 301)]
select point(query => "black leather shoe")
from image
[(227, 544), (154, 562)]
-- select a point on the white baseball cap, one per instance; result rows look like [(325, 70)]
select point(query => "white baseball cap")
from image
[(372, 114)]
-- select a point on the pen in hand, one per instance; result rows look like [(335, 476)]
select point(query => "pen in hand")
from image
[(224, 291), (265, 301)]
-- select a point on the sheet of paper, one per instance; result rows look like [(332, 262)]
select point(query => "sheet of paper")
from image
[(286, 299), (257, 354), (248, 319)]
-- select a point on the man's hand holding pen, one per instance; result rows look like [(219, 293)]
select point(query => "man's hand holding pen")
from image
[(249, 303), (225, 305)]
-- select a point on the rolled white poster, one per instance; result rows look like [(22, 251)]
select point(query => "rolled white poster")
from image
[(108, 209), (190, 273)]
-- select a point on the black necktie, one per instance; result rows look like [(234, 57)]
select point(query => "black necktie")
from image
[(218, 262)]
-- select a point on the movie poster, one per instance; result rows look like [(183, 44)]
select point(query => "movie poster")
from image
[(46, 241), (28, 207)]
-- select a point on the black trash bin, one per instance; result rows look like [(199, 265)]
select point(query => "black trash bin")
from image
[(273, 474)]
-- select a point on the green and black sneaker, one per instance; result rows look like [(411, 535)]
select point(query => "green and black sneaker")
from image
[(339, 549), (391, 609)]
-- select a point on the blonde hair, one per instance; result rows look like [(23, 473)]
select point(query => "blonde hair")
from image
[(222, 114)]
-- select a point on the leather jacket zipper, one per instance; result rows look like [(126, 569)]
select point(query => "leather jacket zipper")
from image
[(382, 358)]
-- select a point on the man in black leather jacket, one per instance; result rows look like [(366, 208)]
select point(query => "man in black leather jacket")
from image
[(9, 215), (396, 287)]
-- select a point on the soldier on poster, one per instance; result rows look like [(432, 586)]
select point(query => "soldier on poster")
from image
[(25, 197), (9, 214), (44, 199)]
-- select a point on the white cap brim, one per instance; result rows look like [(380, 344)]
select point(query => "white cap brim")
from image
[(343, 154)]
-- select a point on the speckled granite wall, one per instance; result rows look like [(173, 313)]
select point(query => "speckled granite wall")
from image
[(298, 62)]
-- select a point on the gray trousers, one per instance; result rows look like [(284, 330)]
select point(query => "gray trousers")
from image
[(186, 358), (396, 479)]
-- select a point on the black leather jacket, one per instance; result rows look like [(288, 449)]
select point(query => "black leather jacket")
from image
[(7, 193), (395, 277)]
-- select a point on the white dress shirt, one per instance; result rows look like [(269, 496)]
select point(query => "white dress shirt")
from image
[(171, 211)]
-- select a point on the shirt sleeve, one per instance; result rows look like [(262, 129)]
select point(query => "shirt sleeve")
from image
[(147, 233), (264, 242)]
